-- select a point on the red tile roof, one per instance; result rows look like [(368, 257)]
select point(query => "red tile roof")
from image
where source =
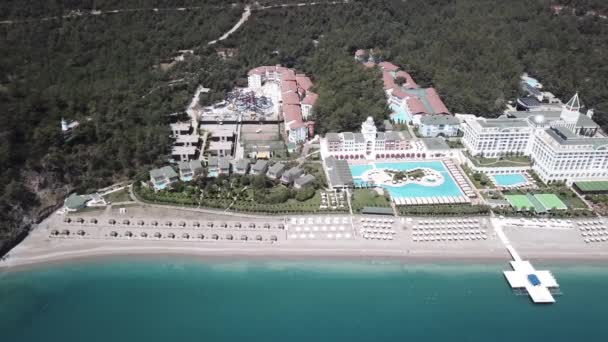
[(388, 66), (389, 82), (304, 82), (291, 98), (409, 81), (310, 98), (435, 102), (288, 75), (369, 64), (399, 93), (288, 86), (415, 105), (292, 115)]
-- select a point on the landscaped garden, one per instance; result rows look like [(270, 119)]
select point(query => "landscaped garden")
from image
[(480, 180), (368, 198), (444, 210), (508, 160)]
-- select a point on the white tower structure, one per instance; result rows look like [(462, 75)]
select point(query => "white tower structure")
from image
[(64, 125), (570, 112)]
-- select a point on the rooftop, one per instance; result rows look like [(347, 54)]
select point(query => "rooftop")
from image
[(433, 144), (338, 172), (439, 119)]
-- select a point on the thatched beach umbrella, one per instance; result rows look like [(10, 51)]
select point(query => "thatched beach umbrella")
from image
[(273, 238), (67, 220), (196, 224), (171, 236), (185, 236), (143, 234), (223, 225), (237, 225), (81, 232), (215, 237), (154, 223), (141, 222), (126, 222), (112, 221), (281, 226), (113, 234), (258, 237), (54, 232), (158, 235), (168, 223), (210, 224), (128, 234), (65, 232), (182, 223), (93, 221), (244, 237), (201, 236), (80, 220), (252, 225), (267, 225), (229, 237)]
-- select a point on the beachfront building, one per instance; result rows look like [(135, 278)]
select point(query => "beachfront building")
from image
[(294, 94), (338, 173), (563, 145), (435, 125), (163, 178), (370, 144), (189, 170)]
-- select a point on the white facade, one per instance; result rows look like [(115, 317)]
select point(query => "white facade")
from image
[(495, 137)]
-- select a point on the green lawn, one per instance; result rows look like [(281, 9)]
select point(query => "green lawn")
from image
[(368, 198), (118, 196), (506, 161)]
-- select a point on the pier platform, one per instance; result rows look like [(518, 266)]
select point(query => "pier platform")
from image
[(538, 284)]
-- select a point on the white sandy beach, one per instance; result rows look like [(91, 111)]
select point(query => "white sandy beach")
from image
[(40, 247)]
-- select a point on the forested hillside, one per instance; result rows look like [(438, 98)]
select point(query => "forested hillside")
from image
[(103, 70)]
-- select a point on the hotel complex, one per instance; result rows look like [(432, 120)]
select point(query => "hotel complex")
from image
[(564, 145)]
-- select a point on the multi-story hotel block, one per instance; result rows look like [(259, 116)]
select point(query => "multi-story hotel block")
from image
[(563, 145)]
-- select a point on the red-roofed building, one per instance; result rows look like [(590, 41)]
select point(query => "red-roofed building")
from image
[(291, 98), (289, 86), (389, 82), (288, 75), (369, 64), (388, 66), (307, 103), (304, 82), (409, 81), (295, 127), (415, 106), (435, 102)]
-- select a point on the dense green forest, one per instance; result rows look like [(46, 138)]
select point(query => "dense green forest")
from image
[(103, 71)]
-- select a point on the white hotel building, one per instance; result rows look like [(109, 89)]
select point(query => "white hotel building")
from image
[(563, 145)]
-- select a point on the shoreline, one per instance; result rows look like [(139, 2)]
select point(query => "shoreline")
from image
[(234, 253)]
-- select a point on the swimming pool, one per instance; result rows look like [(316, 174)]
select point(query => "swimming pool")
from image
[(399, 115), (511, 179), (448, 188)]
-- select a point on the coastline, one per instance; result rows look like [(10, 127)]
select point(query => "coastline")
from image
[(97, 250)]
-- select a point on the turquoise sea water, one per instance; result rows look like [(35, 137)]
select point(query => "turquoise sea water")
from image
[(448, 188), (189, 300)]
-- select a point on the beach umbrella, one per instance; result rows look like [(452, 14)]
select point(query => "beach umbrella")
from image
[(185, 236), (252, 225), (237, 225), (168, 223), (196, 224), (244, 237), (229, 237), (281, 226), (158, 235), (141, 222), (154, 223), (223, 225), (215, 237), (113, 234), (182, 223), (126, 222), (273, 238), (81, 232), (143, 234), (80, 220), (201, 236), (171, 236), (112, 221), (128, 234), (93, 221), (258, 237), (54, 232), (67, 220), (267, 225), (209, 224)]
